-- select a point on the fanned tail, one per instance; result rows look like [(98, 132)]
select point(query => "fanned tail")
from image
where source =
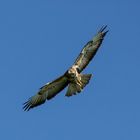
[(74, 88)]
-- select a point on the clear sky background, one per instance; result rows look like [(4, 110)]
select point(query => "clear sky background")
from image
[(39, 41)]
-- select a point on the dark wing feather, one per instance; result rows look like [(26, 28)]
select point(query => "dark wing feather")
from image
[(46, 92), (90, 49)]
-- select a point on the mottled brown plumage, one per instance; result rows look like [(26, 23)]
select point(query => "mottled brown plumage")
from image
[(72, 77)]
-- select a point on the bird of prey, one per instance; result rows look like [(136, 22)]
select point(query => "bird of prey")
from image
[(73, 78)]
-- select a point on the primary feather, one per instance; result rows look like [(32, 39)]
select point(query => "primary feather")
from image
[(72, 77), (46, 92), (90, 49)]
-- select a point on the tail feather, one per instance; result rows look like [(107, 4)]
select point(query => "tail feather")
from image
[(73, 88), (85, 79)]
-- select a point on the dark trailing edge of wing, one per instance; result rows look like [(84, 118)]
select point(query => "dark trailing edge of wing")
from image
[(39, 99), (86, 56)]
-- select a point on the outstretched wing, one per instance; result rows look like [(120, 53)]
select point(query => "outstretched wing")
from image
[(90, 49), (46, 92)]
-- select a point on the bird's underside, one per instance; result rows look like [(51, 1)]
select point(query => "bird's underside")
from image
[(73, 78), (77, 81)]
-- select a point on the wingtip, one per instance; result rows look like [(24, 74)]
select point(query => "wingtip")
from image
[(104, 33), (102, 29), (27, 106)]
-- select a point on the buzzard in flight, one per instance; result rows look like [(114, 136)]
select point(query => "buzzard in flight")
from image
[(73, 78)]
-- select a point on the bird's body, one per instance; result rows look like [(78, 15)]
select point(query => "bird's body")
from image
[(77, 81), (72, 77)]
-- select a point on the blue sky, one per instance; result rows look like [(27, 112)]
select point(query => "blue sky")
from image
[(39, 41)]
